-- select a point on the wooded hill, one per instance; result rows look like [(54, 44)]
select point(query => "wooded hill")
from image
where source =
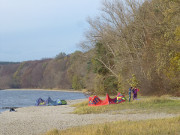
[(63, 72), (128, 44)]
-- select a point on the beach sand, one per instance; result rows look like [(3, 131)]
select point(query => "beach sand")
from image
[(36, 120)]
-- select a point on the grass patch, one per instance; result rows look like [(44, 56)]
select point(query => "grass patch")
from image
[(168, 126), (144, 105)]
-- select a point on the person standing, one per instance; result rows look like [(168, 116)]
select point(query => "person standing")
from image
[(134, 93), (130, 89)]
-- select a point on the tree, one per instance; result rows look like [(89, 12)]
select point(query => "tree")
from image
[(60, 55), (77, 83), (141, 37)]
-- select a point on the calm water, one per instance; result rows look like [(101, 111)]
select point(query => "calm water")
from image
[(23, 98)]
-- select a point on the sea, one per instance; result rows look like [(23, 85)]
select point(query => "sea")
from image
[(24, 98)]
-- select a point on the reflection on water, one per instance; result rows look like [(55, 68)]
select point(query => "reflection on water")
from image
[(23, 98)]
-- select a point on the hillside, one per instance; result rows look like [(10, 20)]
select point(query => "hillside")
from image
[(57, 73)]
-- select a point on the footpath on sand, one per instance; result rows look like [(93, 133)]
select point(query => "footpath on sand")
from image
[(37, 120)]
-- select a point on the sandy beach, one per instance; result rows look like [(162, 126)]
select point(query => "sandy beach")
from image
[(36, 120)]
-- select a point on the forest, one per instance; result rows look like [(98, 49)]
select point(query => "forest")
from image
[(131, 43)]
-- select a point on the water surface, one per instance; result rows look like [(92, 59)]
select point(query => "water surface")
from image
[(23, 98)]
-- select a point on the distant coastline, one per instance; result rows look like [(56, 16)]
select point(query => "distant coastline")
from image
[(63, 90)]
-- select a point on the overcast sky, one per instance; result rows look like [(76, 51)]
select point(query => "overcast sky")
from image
[(36, 29)]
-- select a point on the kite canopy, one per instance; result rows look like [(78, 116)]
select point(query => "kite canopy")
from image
[(40, 102), (50, 102), (96, 101)]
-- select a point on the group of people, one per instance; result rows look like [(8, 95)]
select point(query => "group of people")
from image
[(134, 91)]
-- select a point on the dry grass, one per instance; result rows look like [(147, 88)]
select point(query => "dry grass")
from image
[(144, 105), (168, 126)]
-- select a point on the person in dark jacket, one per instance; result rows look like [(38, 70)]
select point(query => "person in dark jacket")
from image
[(135, 93), (130, 90)]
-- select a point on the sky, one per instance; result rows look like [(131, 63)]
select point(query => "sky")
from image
[(38, 29)]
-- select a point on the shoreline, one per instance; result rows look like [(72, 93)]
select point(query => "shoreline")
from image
[(35, 120), (62, 90), (6, 108)]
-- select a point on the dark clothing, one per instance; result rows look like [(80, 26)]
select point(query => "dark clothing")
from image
[(130, 89), (134, 93)]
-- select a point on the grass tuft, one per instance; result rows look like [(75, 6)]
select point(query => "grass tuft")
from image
[(53, 132)]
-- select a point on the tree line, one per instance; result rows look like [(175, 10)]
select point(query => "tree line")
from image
[(64, 72)]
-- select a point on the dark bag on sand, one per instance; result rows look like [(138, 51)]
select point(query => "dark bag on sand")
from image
[(12, 110)]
